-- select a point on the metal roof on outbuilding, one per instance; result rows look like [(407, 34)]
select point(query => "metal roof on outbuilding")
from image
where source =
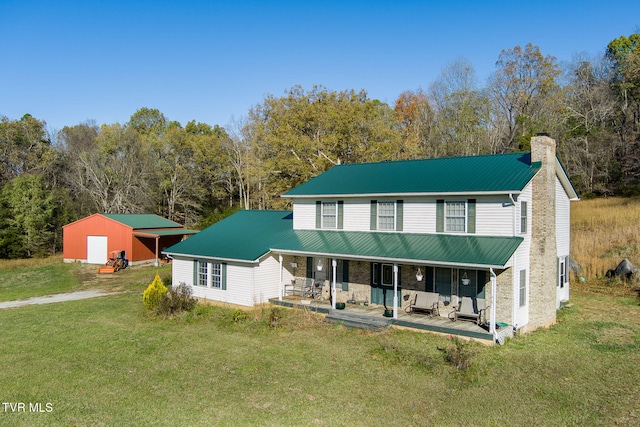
[(142, 221), (471, 174)]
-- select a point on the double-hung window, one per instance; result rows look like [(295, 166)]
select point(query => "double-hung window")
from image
[(216, 275), (522, 300), (523, 217), (203, 273), (455, 217), (386, 215), (210, 274), (329, 215)]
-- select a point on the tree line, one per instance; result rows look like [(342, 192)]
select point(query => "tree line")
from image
[(197, 173)]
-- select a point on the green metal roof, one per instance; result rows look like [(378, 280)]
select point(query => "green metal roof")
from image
[(139, 221), (487, 173), (164, 232), (245, 236), (402, 247), (248, 235)]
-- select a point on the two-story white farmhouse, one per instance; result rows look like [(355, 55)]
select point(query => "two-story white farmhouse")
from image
[(493, 227)]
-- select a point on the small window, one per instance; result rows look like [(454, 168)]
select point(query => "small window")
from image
[(523, 288), (203, 273), (329, 215), (562, 271), (455, 217), (216, 276), (386, 215), (523, 217)]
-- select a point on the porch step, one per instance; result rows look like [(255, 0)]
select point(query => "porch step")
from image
[(353, 320)]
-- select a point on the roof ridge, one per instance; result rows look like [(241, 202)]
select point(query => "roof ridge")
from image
[(513, 153)]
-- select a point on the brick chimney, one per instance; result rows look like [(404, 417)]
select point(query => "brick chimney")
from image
[(544, 261)]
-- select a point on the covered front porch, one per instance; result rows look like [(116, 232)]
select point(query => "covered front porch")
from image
[(372, 317), (367, 271)]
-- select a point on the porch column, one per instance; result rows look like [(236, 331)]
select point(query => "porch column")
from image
[(395, 290), (492, 320), (157, 239), (334, 265), (281, 293)]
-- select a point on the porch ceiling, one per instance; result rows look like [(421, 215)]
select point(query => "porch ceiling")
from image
[(439, 249)]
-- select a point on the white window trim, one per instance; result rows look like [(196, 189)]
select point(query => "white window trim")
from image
[(466, 215), (395, 215), (322, 215), (210, 275)]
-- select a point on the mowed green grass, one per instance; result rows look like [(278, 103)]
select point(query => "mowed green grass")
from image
[(105, 362)]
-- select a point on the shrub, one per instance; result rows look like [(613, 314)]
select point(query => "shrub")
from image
[(177, 299), (154, 293), (239, 315), (459, 355)]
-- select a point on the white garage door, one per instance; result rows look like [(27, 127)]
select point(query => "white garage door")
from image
[(96, 249)]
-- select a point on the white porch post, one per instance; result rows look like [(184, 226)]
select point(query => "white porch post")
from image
[(395, 290), (334, 265), (281, 282), (157, 263), (492, 320)]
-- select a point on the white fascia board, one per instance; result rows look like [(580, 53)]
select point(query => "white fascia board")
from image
[(192, 256), (458, 193)]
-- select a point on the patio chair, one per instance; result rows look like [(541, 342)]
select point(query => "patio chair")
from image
[(469, 308), (426, 302)]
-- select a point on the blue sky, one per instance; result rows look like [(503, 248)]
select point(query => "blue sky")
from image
[(66, 62)]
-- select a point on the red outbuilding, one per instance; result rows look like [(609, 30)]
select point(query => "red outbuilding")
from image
[(141, 236)]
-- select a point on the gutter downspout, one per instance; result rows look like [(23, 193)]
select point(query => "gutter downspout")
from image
[(281, 293), (514, 305), (334, 265), (492, 322), (395, 291)]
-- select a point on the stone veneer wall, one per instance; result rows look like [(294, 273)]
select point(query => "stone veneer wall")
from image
[(360, 279), (543, 255), (504, 299)]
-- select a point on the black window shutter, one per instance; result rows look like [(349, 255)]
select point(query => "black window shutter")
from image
[(439, 216), (223, 269), (399, 215), (345, 275), (428, 279), (318, 214), (471, 216), (374, 215), (340, 214)]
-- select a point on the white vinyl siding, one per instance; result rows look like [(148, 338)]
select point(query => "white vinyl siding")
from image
[(494, 215), (266, 279), (563, 214), (304, 215)]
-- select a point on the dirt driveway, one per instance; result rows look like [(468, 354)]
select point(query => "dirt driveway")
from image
[(48, 299)]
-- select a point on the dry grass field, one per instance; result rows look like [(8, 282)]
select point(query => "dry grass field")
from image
[(603, 233)]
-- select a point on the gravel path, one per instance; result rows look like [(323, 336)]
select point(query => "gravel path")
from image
[(48, 299)]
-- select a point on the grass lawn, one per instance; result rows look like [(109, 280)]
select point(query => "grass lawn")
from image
[(104, 362)]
